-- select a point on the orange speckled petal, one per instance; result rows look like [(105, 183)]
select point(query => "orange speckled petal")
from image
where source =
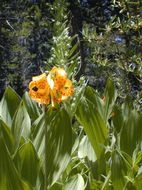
[(39, 89), (67, 90), (32, 84)]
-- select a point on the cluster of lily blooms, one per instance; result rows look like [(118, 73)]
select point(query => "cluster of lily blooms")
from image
[(52, 88)]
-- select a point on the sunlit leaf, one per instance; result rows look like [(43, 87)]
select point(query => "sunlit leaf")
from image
[(131, 133), (21, 124), (117, 118), (109, 98), (31, 107), (59, 145), (93, 97), (7, 136), (75, 183), (85, 150), (9, 105), (59, 141), (138, 182), (38, 133), (118, 171), (93, 124), (29, 163)]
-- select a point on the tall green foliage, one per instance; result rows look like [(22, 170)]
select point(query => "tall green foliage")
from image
[(101, 149), (62, 52)]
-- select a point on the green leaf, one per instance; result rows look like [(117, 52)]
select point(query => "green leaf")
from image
[(21, 124), (75, 183), (38, 131), (137, 158), (56, 186), (105, 185), (7, 136), (93, 97), (117, 118), (72, 106), (9, 178), (86, 150), (38, 135), (73, 49), (138, 182), (59, 145), (75, 141), (73, 64), (59, 141), (31, 106), (127, 107), (110, 96), (95, 127), (118, 171), (29, 163), (131, 133), (95, 184), (9, 105)]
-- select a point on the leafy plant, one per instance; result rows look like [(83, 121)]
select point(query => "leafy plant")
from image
[(99, 150)]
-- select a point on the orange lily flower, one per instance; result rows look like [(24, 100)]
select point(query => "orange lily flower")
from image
[(60, 86), (39, 89), (56, 87)]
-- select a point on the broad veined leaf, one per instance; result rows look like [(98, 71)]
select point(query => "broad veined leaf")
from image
[(127, 107), (86, 150), (75, 141), (9, 177), (75, 183), (29, 163), (40, 180), (137, 159), (7, 136), (31, 107), (131, 133), (93, 124), (59, 145), (38, 133), (21, 124), (93, 97), (117, 118), (138, 182), (56, 186), (118, 171), (110, 96), (9, 105), (59, 141)]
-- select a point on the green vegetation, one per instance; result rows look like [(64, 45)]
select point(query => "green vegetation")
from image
[(100, 150)]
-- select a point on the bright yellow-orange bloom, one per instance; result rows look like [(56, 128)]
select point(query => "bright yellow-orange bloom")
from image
[(56, 87), (39, 89), (59, 76)]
